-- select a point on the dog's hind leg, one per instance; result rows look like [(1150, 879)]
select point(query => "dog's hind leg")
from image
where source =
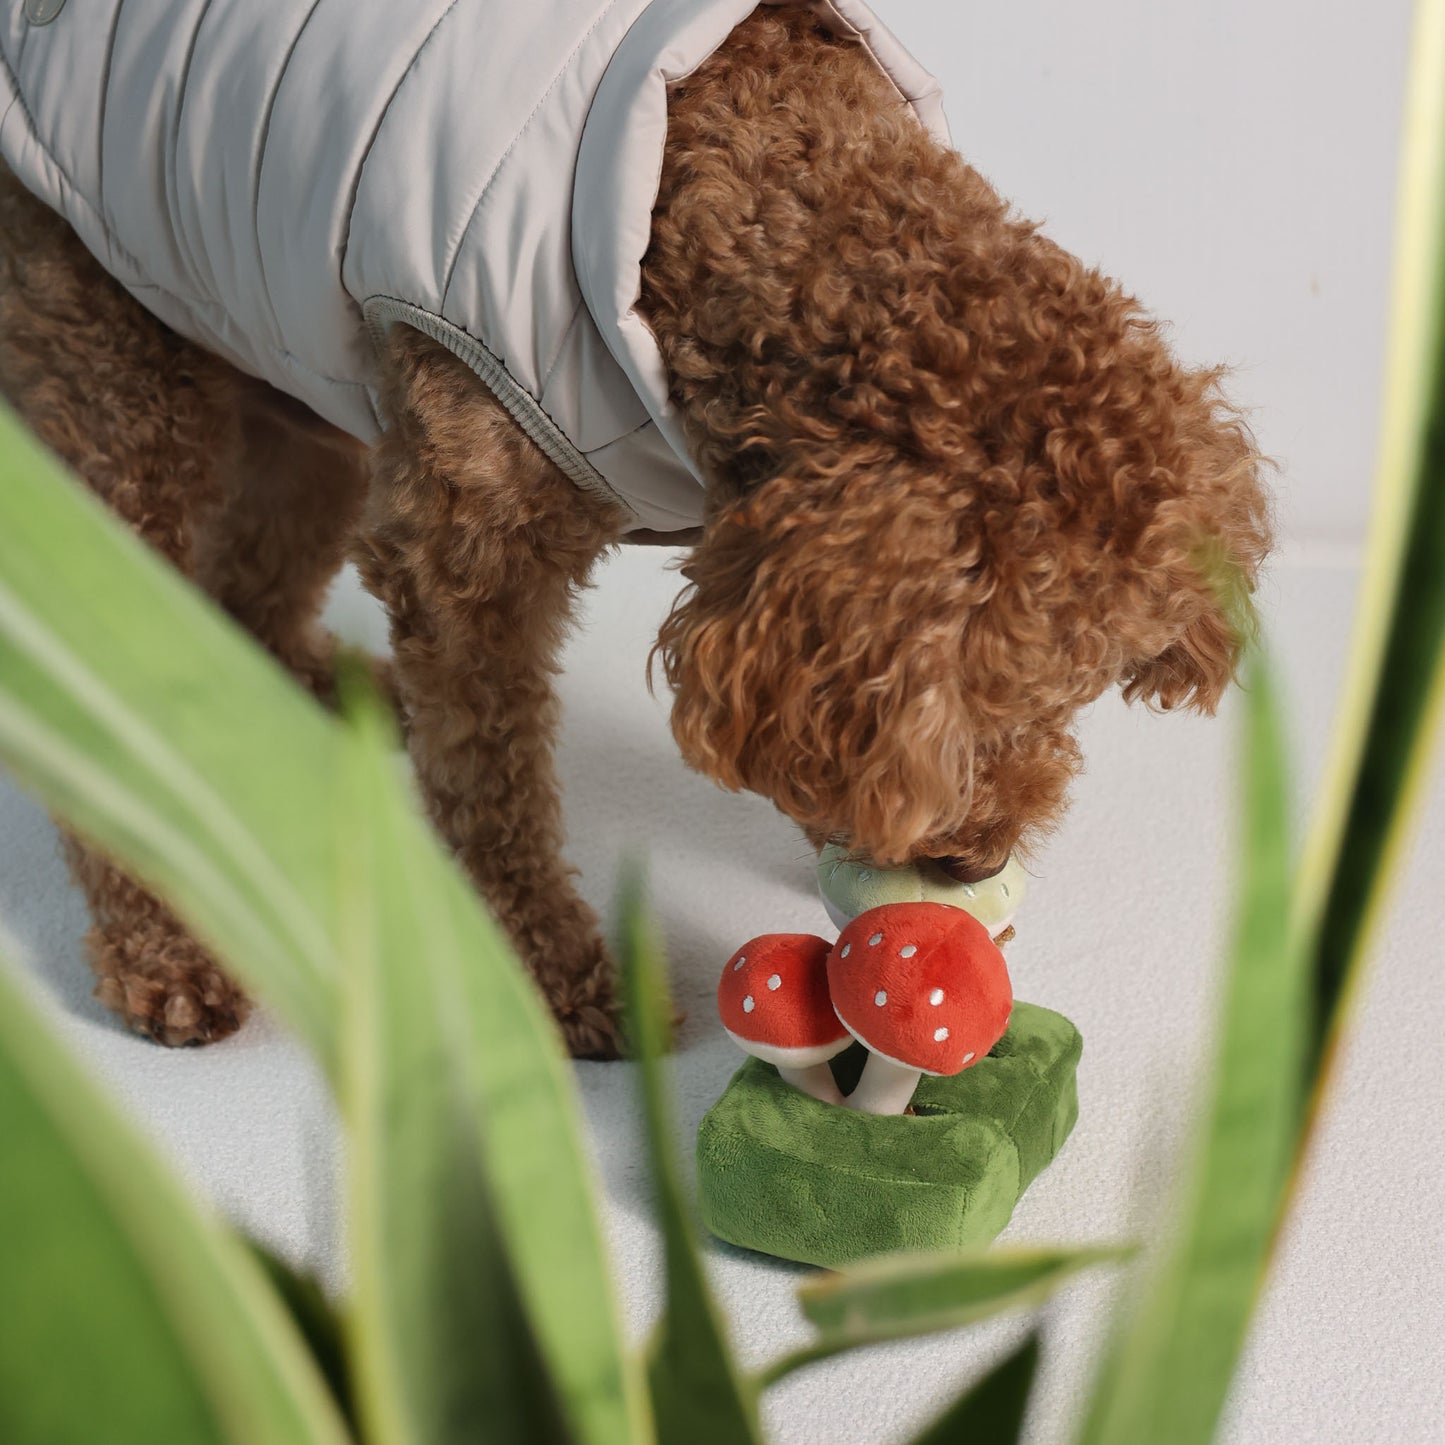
[(292, 497), (478, 544), (141, 415)]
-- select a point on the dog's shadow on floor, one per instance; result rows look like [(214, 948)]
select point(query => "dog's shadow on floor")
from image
[(626, 787)]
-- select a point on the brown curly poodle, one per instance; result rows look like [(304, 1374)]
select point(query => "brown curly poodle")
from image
[(957, 487)]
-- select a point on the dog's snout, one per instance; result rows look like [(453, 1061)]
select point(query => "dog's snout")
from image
[(967, 870)]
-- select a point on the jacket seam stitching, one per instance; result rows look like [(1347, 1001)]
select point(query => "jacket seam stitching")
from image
[(622, 436), (556, 360), (512, 145), (265, 135), (173, 194), (491, 371), (371, 140), (72, 193), (30, 119), (102, 208)]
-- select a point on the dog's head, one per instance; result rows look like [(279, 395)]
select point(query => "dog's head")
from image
[(958, 484), (890, 638)]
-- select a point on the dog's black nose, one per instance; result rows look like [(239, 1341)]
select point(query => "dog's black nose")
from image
[(965, 870)]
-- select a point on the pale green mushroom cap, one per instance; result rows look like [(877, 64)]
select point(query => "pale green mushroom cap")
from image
[(851, 886)]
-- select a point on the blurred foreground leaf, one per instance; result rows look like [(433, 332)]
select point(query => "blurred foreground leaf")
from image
[(315, 1317), (1169, 1368), (992, 1412), (139, 713), (914, 1294), (128, 1315), (697, 1395), (1290, 998), (1392, 709), (482, 1307), (148, 720)]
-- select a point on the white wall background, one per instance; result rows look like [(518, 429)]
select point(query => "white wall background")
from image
[(1233, 164)]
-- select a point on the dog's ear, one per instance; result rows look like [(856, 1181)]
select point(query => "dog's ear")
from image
[(1188, 652), (1196, 540), (1194, 670), (810, 665)]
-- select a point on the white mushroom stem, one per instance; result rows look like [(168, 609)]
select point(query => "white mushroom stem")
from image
[(885, 1086), (816, 1079)]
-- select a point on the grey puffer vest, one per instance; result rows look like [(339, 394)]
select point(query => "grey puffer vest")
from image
[(282, 180)]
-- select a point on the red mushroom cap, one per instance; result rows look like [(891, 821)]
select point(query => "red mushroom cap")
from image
[(773, 999), (921, 984)]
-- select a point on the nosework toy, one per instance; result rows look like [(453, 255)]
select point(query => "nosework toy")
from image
[(897, 1096), (850, 885)]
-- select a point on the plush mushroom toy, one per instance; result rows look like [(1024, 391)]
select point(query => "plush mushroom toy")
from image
[(851, 885), (924, 989), (774, 1003)]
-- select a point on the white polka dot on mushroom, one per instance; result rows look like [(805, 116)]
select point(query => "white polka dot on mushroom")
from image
[(939, 1035), (908, 950), (775, 981), (936, 997), (847, 949), (748, 1004), (739, 964), (875, 940), (880, 998), (968, 1058)]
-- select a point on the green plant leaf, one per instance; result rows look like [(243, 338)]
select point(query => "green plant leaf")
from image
[(900, 1296), (128, 1315), (1394, 695), (992, 1412), (1168, 1371), (141, 714), (149, 721), (316, 1318), (698, 1397), (482, 1307)]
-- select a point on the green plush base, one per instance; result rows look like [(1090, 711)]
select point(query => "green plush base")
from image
[(787, 1175)]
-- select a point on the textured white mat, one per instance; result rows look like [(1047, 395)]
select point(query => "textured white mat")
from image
[(1120, 933)]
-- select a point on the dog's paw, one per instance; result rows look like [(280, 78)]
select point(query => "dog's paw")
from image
[(569, 961), (586, 1007), (165, 986), (592, 1019), (592, 1032)]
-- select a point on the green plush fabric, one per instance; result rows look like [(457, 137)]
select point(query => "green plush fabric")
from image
[(785, 1174)]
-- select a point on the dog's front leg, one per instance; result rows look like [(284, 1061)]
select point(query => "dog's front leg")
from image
[(477, 545)]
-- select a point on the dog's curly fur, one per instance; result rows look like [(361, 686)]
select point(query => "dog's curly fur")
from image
[(957, 486), (478, 545)]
